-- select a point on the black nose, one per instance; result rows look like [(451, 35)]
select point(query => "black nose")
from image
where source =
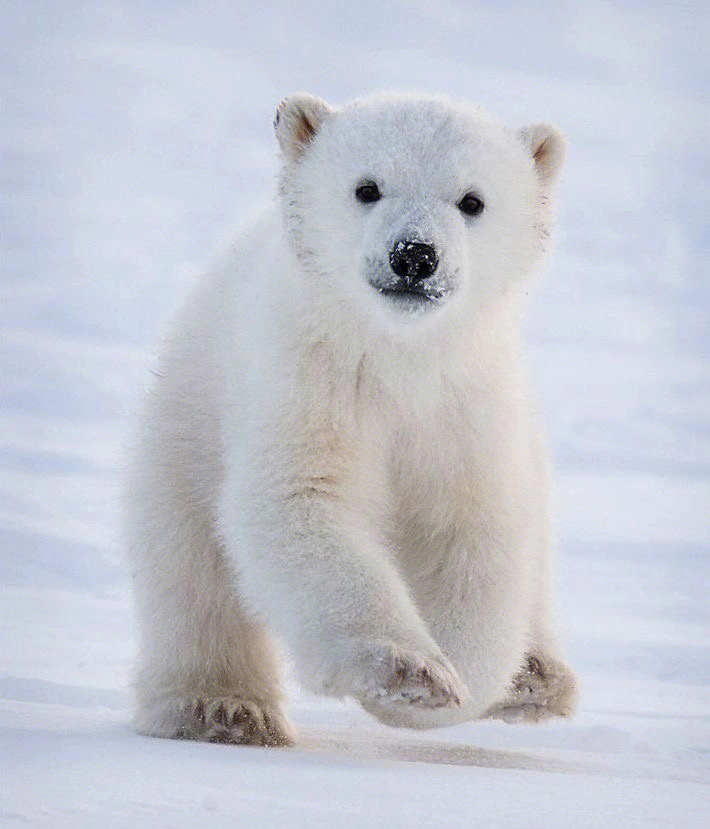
[(414, 260)]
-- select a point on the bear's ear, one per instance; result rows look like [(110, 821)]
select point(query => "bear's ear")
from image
[(547, 148), (297, 121)]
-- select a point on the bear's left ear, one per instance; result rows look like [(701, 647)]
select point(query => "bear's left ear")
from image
[(297, 121), (547, 148)]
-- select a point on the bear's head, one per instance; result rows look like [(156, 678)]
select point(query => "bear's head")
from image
[(414, 204)]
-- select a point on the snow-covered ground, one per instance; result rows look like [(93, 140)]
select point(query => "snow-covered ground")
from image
[(132, 136)]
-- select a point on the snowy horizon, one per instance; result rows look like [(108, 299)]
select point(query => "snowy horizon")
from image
[(134, 139)]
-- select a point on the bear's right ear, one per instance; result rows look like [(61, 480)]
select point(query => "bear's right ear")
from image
[(297, 121), (547, 148)]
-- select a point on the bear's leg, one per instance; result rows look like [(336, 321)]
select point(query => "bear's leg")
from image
[(330, 591), (207, 671), (543, 686)]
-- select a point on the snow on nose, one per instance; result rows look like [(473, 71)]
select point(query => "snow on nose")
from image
[(415, 261)]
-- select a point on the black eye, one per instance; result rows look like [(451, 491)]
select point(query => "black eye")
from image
[(471, 204), (367, 192)]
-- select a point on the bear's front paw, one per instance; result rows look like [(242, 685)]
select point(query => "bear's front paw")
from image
[(410, 678), (233, 719), (216, 719)]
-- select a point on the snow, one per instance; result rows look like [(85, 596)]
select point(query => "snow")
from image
[(132, 137)]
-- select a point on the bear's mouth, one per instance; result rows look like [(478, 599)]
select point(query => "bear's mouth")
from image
[(407, 295)]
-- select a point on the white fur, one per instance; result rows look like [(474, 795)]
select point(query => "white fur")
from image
[(360, 481)]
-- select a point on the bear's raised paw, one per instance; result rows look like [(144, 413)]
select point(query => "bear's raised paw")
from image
[(405, 677)]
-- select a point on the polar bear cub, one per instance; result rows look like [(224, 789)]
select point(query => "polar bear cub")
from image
[(338, 456)]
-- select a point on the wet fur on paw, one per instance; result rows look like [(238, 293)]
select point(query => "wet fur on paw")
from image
[(544, 687)]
